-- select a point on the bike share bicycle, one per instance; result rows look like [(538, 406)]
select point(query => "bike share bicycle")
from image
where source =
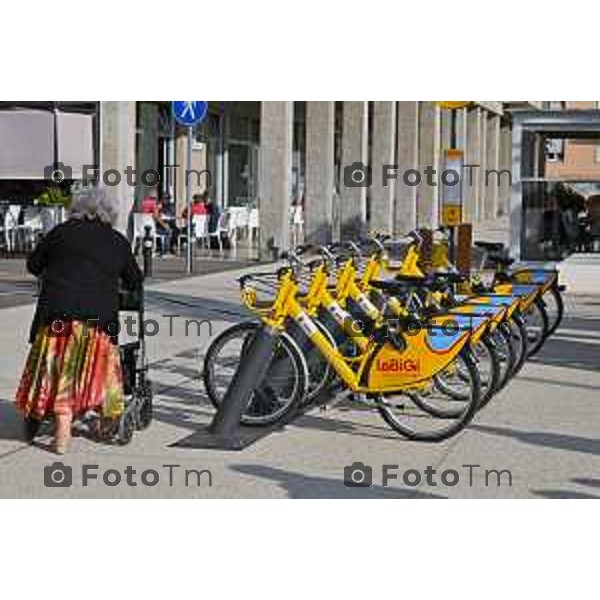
[(306, 368)]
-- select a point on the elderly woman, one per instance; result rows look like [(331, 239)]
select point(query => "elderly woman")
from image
[(74, 365)]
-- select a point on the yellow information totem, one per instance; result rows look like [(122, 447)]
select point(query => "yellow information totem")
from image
[(452, 212), (453, 104), (451, 215)]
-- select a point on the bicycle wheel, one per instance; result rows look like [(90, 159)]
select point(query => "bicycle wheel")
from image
[(320, 372), (487, 356), (403, 413), (555, 308), (488, 366), (536, 324), (505, 350), (518, 337), (283, 387)]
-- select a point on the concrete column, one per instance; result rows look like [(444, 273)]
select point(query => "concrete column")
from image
[(355, 139), (429, 156), (479, 216), (118, 133), (516, 197), (275, 177), (198, 179), (147, 145), (446, 128), (320, 123), (383, 152), (472, 157), (461, 128), (405, 209), (490, 207), (505, 163), (180, 161)]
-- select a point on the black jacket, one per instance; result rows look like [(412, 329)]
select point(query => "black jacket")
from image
[(80, 264)]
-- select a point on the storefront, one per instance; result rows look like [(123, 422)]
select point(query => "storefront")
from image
[(39, 140), (554, 207), (34, 136)]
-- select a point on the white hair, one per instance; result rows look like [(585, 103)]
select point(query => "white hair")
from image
[(93, 202)]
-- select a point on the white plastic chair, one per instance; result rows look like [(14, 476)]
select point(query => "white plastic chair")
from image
[(253, 224), (224, 226), (12, 227), (4, 242), (200, 229), (242, 220), (297, 225), (140, 222), (32, 225), (200, 225)]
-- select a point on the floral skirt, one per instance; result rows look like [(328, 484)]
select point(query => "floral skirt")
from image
[(76, 370)]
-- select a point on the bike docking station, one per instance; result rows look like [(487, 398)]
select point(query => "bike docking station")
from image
[(226, 432)]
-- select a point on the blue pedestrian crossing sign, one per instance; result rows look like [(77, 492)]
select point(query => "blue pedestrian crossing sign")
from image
[(189, 112)]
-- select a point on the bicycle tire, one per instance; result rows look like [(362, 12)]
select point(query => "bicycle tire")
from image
[(506, 351), (297, 376), (534, 344), (487, 391), (554, 317), (453, 428), (518, 336)]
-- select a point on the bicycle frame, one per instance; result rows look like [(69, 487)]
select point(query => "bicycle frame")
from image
[(380, 367)]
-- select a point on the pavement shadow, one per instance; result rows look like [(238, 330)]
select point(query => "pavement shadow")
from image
[(560, 494), (11, 425), (337, 425), (173, 364), (196, 307), (563, 350), (300, 485), (558, 441), (564, 495), (588, 481)]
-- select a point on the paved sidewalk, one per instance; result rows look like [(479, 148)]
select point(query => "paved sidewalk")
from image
[(544, 428)]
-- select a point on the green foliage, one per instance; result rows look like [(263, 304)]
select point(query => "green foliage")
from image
[(54, 197)]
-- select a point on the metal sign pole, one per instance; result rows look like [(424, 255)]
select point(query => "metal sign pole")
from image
[(189, 114), (188, 199), (452, 248), (452, 203)]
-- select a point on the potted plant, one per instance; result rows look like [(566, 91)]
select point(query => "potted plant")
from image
[(54, 202)]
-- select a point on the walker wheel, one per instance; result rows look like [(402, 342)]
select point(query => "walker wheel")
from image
[(126, 429), (145, 414)]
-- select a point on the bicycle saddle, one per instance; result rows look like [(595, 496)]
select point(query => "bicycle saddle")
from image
[(397, 286), (498, 259), (490, 246)]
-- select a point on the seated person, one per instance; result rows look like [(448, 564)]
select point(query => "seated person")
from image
[(199, 205), (148, 205), (163, 227)]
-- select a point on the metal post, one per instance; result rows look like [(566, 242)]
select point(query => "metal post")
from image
[(147, 249), (452, 241), (453, 128), (188, 197), (249, 375)]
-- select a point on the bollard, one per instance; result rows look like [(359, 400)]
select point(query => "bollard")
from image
[(249, 375), (147, 248), (464, 245)]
